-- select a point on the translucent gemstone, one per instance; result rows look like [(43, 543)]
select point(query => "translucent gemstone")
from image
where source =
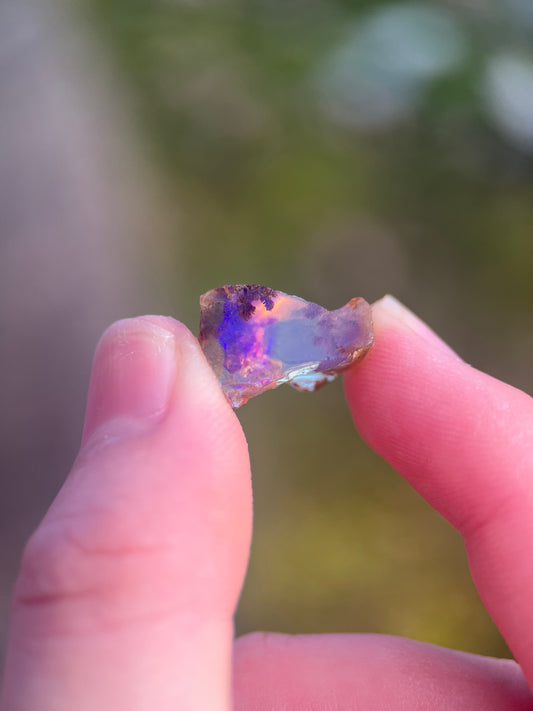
[(256, 338)]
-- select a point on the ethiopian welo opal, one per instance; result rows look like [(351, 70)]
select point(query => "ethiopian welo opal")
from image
[(256, 338)]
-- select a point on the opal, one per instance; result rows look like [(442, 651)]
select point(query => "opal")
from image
[(256, 338)]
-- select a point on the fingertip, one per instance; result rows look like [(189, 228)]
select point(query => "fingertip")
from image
[(142, 369), (439, 422), (132, 375), (407, 357), (391, 316), (459, 436)]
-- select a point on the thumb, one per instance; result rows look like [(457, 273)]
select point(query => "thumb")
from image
[(128, 587)]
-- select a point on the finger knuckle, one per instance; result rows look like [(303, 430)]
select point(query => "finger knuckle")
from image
[(90, 557), (55, 565)]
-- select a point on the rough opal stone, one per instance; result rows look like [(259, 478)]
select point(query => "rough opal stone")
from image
[(256, 338)]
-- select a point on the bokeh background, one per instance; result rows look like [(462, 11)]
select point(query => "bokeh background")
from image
[(151, 150)]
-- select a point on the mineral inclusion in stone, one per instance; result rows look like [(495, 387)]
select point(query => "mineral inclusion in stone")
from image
[(256, 338)]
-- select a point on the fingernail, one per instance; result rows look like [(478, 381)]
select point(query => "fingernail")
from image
[(394, 312), (132, 376)]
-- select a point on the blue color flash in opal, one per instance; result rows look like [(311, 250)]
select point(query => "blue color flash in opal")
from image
[(256, 338)]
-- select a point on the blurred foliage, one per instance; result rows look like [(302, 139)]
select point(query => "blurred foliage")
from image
[(332, 149)]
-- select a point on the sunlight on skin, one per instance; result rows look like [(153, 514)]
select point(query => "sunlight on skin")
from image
[(128, 588)]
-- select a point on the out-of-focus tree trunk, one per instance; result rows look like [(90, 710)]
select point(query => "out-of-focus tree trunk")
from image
[(78, 222)]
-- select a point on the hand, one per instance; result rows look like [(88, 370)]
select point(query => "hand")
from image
[(128, 587)]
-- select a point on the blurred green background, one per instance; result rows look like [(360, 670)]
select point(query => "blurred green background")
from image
[(328, 149)]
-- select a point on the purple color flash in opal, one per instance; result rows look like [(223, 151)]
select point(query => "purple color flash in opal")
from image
[(256, 338)]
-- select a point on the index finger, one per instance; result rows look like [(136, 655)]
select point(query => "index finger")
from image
[(464, 440)]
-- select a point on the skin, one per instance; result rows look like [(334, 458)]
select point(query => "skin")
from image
[(127, 589)]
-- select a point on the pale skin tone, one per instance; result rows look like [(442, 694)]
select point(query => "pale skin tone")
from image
[(127, 589)]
